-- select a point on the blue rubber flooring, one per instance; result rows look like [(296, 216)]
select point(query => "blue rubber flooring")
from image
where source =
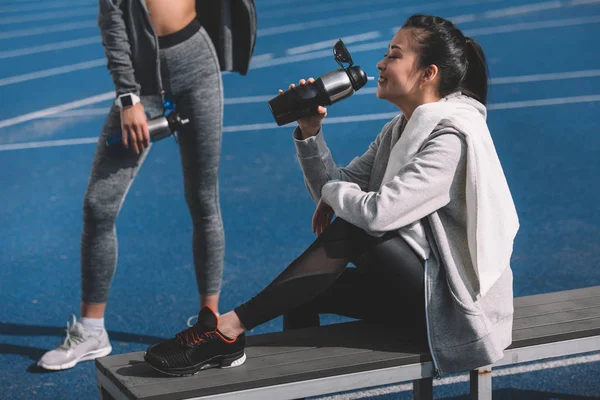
[(545, 128)]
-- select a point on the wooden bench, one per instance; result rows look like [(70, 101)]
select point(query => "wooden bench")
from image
[(355, 355)]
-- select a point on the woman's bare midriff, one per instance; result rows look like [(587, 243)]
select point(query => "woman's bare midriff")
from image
[(170, 16)]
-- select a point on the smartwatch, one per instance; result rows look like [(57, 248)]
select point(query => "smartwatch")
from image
[(127, 100)]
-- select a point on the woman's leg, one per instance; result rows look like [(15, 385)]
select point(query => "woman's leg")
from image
[(388, 273), (387, 281), (191, 72), (113, 170), (306, 277)]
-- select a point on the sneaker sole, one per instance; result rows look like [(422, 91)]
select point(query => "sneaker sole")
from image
[(92, 355), (231, 361)]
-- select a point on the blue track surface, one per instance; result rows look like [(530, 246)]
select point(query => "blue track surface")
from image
[(549, 153)]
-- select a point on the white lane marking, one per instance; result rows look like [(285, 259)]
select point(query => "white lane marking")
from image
[(262, 57), (545, 77), (325, 44), (50, 47), (57, 109), (86, 112), (334, 120), (49, 15), (317, 8), (512, 11), (48, 29), (544, 102), (47, 143), (40, 6), (526, 9), (328, 22), (465, 377), (531, 26), (63, 110), (557, 23), (288, 28), (53, 71)]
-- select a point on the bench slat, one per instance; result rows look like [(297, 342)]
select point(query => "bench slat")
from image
[(548, 308), (245, 377), (556, 332), (555, 297), (559, 317)]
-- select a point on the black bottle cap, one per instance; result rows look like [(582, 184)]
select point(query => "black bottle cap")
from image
[(357, 76)]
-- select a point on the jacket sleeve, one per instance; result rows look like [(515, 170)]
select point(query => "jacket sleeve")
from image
[(419, 188), (116, 46), (318, 167)]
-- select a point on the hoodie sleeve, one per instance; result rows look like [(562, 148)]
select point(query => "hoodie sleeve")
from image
[(318, 166), (116, 46), (419, 188)]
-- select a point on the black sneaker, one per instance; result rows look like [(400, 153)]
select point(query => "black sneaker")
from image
[(200, 347)]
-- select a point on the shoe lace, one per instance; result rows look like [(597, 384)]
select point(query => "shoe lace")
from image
[(72, 336), (193, 335)]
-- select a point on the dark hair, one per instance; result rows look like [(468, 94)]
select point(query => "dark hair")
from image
[(460, 59)]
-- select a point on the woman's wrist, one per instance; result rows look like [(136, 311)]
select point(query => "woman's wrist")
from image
[(309, 131)]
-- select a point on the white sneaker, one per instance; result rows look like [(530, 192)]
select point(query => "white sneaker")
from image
[(77, 346)]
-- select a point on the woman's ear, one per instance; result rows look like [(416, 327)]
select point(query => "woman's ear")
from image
[(431, 73)]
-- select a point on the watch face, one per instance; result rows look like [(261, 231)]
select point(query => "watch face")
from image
[(126, 101)]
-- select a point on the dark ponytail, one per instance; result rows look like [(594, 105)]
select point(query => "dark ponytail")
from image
[(460, 60), (475, 82)]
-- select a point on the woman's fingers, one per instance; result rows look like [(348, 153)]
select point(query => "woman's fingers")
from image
[(311, 80)]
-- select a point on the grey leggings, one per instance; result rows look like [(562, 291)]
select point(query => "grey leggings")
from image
[(190, 72)]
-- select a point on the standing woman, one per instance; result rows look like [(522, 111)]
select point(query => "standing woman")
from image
[(158, 51), (425, 215)]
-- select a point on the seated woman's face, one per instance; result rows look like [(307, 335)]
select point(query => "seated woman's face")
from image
[(399, 73)]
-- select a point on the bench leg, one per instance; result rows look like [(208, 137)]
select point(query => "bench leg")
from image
[(481, 384), (423, 389)]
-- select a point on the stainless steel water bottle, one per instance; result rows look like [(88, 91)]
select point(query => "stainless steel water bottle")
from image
[(326, 90), (158, 128)]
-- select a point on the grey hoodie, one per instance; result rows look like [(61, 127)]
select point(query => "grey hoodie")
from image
[(464, 332)]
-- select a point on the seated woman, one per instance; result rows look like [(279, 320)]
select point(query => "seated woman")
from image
[(425, 215)]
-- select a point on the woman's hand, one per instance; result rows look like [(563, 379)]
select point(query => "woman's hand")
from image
[(310, 125), (322, 217), (134, 128)]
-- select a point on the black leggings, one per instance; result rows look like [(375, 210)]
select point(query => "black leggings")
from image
[(386, 286)]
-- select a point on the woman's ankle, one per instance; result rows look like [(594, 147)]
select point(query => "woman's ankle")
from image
[(230, 325)]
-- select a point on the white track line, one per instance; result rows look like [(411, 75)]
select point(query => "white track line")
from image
[(57, 109), (53, 112), (319, 8), (531, 26), (545, 77), (49, 15), (68, 44), (334, 120), (465, 377), (328, 22), (48, 29), (40, 6), (325, 44), (276, 30), (544, 102), (48, 143), (53, 71)]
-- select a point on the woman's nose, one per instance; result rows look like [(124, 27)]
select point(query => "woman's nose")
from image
[(380, 65)]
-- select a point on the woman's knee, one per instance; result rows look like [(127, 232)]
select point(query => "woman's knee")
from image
[(203, 202), (98, 211)]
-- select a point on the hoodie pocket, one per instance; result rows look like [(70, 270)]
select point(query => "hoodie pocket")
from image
[(463, 300)]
